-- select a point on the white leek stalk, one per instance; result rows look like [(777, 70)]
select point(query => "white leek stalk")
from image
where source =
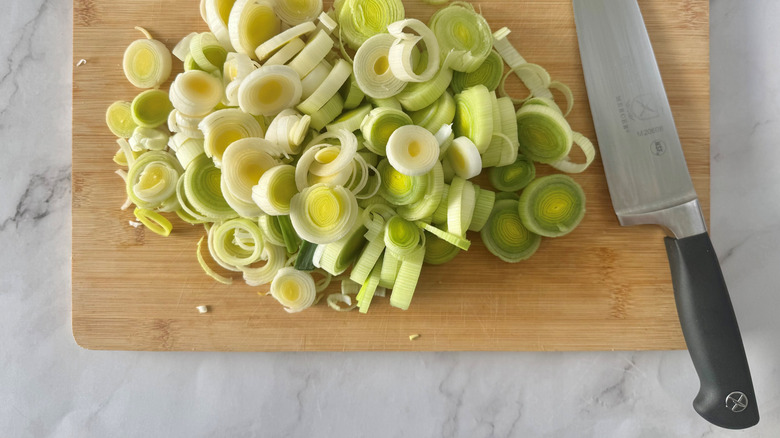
[(195, 93), (147, 62), (412, 150)]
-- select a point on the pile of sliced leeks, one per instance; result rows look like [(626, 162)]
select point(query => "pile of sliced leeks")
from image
[(343, 144)]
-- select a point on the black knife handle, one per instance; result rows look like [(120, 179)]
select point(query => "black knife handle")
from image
[(726, 397)]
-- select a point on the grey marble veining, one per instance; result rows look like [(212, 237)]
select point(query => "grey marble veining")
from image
[(51, 387)]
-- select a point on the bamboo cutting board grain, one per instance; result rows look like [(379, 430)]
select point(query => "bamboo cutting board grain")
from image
[(602, 287)]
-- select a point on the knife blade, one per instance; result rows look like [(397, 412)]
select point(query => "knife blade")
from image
[(649, 183)]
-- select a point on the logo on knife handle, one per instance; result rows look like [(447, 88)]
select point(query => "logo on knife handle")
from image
[(737, 401)]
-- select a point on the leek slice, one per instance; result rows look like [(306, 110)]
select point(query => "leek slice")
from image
[(379, 125), (552, 206), (251, 23), (293, 289), (272, 231), (402, 237), (437, 114), (368, 259), (438, 251), (147, 62), (244, 163), (323, 214), (328, 112), (513, 177), (359, 20), (237, 242), (461, 200), (275, 190), (328, 88), (187, 126), (216, 16), (505, 235), (485, 201), (272, 45), (463, 34), (430, 202), (119, 119), (195, 93), (388, 270), (312, 54), (389, 102), (207, 269), (269, 90), (418, 95), (566, 165), (303, 262), (150, 108), (406, 279), (500, 196), (464, 158), (286, 53), (352, 93), (293, 12), (148, 139), (459, 241), (334, 299), (313, 80), (274, 257), (544, 135), (401, 54), (440, 214), (339, 255), (368, 290), (187, 211), (288, 130), (373, 72), (412, 150), (350, 120), (207, 52), (154, 221), (474, 116), (151, 181), (202, 187), (400, 189), (489, 74), (291, 239), (182, 49), (224, 127)]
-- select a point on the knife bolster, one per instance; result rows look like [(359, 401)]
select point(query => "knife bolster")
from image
[(680, 221)]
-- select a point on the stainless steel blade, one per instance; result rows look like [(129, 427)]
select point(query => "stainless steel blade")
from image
[(646, 171)]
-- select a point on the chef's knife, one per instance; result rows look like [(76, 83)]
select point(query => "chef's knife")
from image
[(649, 184)]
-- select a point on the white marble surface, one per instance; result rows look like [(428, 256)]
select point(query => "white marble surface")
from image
[(51, 387)]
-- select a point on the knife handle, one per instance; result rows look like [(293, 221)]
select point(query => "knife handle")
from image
[(726, 397)]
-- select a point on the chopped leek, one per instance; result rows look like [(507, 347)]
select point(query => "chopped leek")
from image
[(295, 290), (544, 135), (418, 95), (437, 114), (505, 235), (461, 200), (339, 255), (401, 54), (513, 177), (269, 47), (154, 221), (552, 206), (119, 119), (217, 13), (150, 109), (207, 52), (147, 62), (359, 20), (489, 74), (374, 74), (312, 54), (485, 201), (412, 150), (323, 214), (222, 128), (243, 164), (474, 116), (379, 125), (286, 53), (463, 35), (269, 90), (294, 12), (202, 187), (275, 189), (438, 251), (400, 189), (406, 279), (464, 158), (251, 23), (151, 181), (195, 93)]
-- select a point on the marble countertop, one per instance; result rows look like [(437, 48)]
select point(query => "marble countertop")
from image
[(51, 387)]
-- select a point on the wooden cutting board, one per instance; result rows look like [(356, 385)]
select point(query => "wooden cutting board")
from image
[(603, 287)]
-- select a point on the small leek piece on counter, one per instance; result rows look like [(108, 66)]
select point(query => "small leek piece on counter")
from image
[(323, 214), (216, 16), (552, 206), (489, 74), (151, 181), (505, 236), (251, 23), (119, 119), (412, 150), (295, 290), (400, 189), (402, 51), (243, 164), (463, 34), (293, 12), (275, 190), (513, 177), (372, 68), (269, 90), (150, 109), (359, 20), (154, 221), (147, 62), (379, 125), (195, 93), (464, 158), (474, 116), (223, 127)]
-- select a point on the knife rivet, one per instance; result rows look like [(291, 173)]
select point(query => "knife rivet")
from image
[(658, 147), (737, 401)]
